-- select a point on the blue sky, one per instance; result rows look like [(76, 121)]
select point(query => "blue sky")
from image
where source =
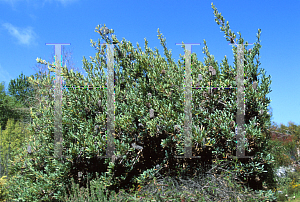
[(26, 25)]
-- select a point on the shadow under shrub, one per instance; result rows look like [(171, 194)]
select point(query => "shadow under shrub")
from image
[(213, 186)]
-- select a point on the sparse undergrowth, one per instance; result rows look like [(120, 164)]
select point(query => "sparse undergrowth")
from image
[(211, 187)]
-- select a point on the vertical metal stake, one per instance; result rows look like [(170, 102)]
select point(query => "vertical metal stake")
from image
[(58, 102), (188, 106)]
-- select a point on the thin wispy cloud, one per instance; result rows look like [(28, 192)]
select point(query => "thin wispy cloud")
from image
[(24, 36), (63, 2), (41, 3), (66, 1), (13, 3), (10, 1), (33, 17)]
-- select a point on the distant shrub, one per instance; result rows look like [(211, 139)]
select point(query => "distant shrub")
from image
[(3, 189)]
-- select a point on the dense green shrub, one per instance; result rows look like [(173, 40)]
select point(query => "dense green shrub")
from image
[(151, 115)]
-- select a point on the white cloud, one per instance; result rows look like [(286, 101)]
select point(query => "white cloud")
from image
[(25, 36)]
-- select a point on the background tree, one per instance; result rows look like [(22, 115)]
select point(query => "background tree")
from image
[(285, 140), (27, 93), (7, 105), (21, 89), (149, 120)]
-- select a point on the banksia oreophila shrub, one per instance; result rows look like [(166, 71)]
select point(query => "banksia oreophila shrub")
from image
[(149, 121)]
